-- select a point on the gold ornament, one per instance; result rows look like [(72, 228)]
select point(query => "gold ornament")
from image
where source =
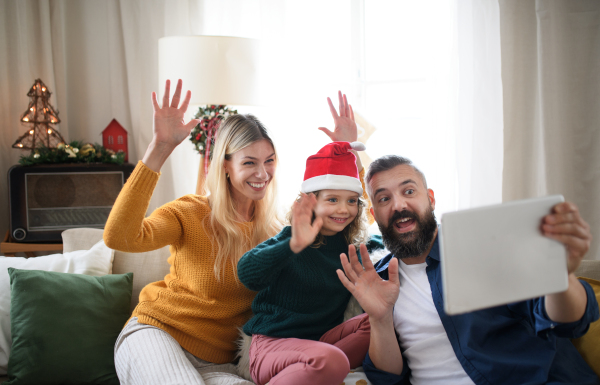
[(87, 149)]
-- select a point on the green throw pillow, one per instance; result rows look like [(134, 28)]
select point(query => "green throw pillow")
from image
[(64, 326)]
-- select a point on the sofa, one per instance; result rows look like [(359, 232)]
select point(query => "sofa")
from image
[(152, 266)]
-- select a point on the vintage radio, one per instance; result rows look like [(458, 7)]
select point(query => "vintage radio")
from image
[(47, 199)]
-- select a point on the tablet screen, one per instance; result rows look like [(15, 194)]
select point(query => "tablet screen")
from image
[(497, 255)]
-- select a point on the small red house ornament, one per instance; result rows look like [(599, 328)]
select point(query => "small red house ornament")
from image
[(114, 137)]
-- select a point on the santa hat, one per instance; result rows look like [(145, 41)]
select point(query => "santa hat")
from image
[(333, 168)]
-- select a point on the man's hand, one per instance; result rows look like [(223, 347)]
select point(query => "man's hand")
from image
[(565, 225), (376, 296), (304, 230)]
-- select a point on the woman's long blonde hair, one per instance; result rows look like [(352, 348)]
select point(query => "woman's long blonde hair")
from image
[(236, 133)]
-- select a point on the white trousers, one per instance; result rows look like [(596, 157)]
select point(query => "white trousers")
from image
[(146, 355)]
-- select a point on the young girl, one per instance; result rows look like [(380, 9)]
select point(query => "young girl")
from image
[(297, 332)]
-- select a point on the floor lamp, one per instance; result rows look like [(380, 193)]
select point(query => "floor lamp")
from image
[(218, 70)]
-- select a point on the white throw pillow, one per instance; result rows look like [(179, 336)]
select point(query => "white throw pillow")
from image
[(96, 261)]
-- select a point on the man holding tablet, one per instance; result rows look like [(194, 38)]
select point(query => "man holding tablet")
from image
[(520, 343)]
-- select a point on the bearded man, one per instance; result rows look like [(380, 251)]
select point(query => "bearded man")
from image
[(413, 339)]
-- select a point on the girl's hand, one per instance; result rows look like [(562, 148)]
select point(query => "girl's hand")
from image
[(304, 230), (169, 128), (345, 129)]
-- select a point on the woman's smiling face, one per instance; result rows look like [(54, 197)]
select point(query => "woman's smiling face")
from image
[(250, 170), (337, 208)]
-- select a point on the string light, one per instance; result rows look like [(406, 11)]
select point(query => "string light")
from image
[(49, 131), (26, 119), (30, 132), (20, 144), (44, 89)]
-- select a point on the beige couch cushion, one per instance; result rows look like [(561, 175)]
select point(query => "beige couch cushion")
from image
[(146, 267), (589, 269)]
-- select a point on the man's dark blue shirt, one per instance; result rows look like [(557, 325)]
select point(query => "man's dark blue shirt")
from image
[(511, 344)]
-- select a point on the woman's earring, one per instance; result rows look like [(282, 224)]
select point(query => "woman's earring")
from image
[(227, 175)]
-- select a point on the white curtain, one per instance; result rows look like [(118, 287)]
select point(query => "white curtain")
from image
[(551, 81), (100, 60), (429, 75)]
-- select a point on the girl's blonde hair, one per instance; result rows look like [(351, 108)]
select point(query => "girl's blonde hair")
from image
[(355, 233), (236, 133)]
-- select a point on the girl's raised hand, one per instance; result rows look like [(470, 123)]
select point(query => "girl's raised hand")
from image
[(345, 129), (169, 128), (304, 230)]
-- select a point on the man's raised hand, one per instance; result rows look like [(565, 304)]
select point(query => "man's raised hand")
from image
[(376, 296)]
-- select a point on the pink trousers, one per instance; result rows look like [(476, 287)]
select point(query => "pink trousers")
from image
[(294, 361)]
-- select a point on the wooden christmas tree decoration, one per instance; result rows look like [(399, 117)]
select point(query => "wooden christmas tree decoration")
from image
[(40, 114)]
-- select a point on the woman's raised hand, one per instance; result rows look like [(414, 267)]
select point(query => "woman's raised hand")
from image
[(345, 129), (169, 129), (304, 230)]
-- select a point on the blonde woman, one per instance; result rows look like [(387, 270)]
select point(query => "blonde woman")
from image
[(184, 328)]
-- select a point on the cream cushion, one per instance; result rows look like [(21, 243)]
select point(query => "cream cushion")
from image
[(589, 269), (146, 267)]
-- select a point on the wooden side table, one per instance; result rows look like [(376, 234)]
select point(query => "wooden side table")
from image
[(10, 248)]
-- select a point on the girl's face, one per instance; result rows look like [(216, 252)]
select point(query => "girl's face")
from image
[(250, 171), (337, 208)]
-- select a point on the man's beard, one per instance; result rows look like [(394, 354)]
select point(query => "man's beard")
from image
[(411, 244)]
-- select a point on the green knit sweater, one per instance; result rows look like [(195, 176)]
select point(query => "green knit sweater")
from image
[(299, 295)]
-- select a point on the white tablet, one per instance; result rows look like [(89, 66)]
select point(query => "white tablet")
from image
[(497, 255)]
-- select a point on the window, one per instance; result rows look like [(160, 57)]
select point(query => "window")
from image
[(393, 59)]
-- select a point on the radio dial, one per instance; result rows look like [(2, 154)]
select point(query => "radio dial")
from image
[(19, 234)]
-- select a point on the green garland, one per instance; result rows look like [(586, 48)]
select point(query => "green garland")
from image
[(74, 152)]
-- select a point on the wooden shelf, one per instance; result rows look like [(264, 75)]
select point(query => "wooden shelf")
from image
[(9, 248)]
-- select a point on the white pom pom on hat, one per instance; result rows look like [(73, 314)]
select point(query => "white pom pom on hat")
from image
[(358, 146), (333, 168)]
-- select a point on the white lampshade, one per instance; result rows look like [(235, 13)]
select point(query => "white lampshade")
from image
[(217, 69)]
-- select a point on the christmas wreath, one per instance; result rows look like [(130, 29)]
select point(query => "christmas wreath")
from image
[(203, 135), (74, 152)]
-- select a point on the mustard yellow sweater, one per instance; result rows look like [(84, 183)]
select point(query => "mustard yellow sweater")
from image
[(201, 313)]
